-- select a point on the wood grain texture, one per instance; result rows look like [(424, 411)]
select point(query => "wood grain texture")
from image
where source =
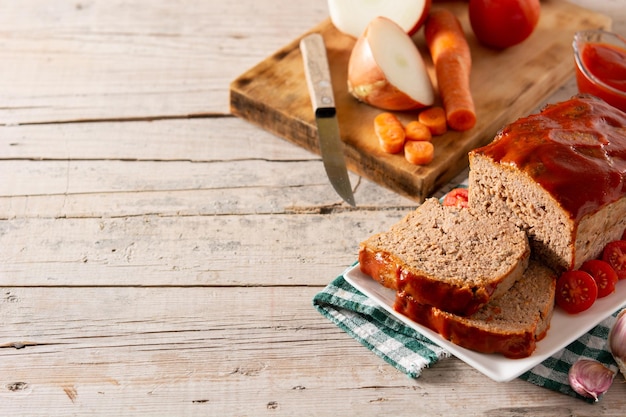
[(208, 166), (180, 250), (157, 264), (527, 74), (93, 60), (146, 351)]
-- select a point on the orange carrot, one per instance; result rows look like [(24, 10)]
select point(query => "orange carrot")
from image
[(435, 119), (451, 55), (419, 152), (417, 131), (390, 132)]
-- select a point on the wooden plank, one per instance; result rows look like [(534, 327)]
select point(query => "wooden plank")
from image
[(154, 250), (194, 140), (88, 176), (312, 198), (505, 86), (191, 166), (117, 60), (173, 351)]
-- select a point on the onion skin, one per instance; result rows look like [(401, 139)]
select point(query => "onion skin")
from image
[(422, 20), (368, 84)]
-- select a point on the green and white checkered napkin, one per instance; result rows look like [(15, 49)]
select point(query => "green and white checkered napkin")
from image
[(410, 352)]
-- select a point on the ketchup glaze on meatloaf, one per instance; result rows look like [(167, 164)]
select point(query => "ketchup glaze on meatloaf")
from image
[(576, 150), (560, 175)]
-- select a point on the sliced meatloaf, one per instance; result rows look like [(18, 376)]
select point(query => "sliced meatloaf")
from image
[(560, 175), (447, 257), (510, 325)]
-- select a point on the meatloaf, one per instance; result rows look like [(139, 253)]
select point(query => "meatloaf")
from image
[(446, 257), (510, 325), (560, 175)]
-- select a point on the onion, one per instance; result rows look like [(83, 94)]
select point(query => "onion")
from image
[(386, 70), (352, 16)]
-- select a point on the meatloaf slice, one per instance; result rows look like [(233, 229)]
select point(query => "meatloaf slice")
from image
[(510, 325), (447, 257), (560, 175)]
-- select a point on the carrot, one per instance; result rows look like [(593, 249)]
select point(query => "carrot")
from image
[(451, 55), (435, 119), (390, 132), (419, 152), (417, 131)]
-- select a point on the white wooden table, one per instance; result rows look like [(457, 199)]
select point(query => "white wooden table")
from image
[(158, 256)]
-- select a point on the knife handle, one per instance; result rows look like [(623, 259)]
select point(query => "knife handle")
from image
[(318, 74)]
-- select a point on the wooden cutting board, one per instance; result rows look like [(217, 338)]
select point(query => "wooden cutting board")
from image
[(505, 85)]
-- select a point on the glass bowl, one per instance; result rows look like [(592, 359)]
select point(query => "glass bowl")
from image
[(601, 65)]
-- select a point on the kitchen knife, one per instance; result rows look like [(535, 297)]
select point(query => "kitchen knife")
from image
[(321, 90)]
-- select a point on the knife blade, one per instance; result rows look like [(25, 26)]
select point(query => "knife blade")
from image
[(320, 88)]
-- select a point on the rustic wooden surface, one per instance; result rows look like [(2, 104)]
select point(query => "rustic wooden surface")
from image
[(158, 256), (530, 72)]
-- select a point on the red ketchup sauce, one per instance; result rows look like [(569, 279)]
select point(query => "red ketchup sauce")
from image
[(607, 63), (576, 150)]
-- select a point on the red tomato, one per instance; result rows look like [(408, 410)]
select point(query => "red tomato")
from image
[(615, 254), (456, 197), (576, 291), (604, 275), (503, 23), (624, 235)]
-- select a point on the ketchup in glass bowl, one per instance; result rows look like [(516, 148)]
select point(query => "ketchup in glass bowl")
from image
[(601, 65)]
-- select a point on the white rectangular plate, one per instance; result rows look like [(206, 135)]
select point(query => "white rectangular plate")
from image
[(564, 329)]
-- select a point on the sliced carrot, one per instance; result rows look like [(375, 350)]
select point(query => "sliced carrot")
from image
[(390, 132), (435, 119), (417, 131), (453, 62), (419, 152)]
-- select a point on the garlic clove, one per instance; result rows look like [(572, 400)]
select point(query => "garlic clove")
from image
[(617, 341), (590, 378)]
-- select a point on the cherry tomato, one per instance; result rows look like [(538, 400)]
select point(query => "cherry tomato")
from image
[(456, 197), (615, 254), (503, 23), (576, 291), (604, 275)]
